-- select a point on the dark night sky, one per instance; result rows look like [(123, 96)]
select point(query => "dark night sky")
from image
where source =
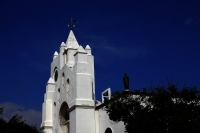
[(149, 40)]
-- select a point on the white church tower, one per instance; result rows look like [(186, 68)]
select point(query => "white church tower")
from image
[(69, 101)]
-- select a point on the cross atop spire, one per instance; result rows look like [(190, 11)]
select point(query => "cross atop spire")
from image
[(72, 24)]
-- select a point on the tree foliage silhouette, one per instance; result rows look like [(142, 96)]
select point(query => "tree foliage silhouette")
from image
[(16, 125), (162, 110)]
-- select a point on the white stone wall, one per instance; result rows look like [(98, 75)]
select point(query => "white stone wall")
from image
[(105, 122)]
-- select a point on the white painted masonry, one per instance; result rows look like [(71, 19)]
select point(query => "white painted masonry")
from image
[(69, 102)]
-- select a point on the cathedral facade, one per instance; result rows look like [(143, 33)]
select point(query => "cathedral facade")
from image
[(69, 102)]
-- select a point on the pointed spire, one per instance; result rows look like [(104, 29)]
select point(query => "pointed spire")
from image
[(55, 55), (71, 41), (50, 81)]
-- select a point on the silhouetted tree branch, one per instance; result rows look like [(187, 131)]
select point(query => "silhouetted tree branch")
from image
[(16, 125)]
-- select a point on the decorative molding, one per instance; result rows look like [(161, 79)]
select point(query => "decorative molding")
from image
[(44, 127), (80, 106)]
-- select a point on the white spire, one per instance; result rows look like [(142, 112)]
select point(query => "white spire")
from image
[(71, 41), (50, 81)]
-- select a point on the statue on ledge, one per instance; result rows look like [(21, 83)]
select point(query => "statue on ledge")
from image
[(126, 82)]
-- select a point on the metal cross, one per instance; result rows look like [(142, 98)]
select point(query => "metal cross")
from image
[(72, 24)]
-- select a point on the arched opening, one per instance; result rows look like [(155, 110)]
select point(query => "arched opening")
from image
[(108, 130), (64, 117), (55, 74)]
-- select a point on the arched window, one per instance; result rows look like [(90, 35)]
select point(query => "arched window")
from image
[(55, 74), (108, 130)]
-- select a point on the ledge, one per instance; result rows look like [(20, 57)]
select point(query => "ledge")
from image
[(80, 106), (45, 127)]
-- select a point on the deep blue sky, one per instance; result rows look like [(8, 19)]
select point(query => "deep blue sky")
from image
[(150, 40)]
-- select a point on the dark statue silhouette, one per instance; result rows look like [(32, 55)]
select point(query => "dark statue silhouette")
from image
[(126, 82)]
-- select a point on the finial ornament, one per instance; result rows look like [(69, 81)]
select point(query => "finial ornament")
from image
[(72, 24)]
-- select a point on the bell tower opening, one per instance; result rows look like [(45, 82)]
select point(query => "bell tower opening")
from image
[(64, 117)]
